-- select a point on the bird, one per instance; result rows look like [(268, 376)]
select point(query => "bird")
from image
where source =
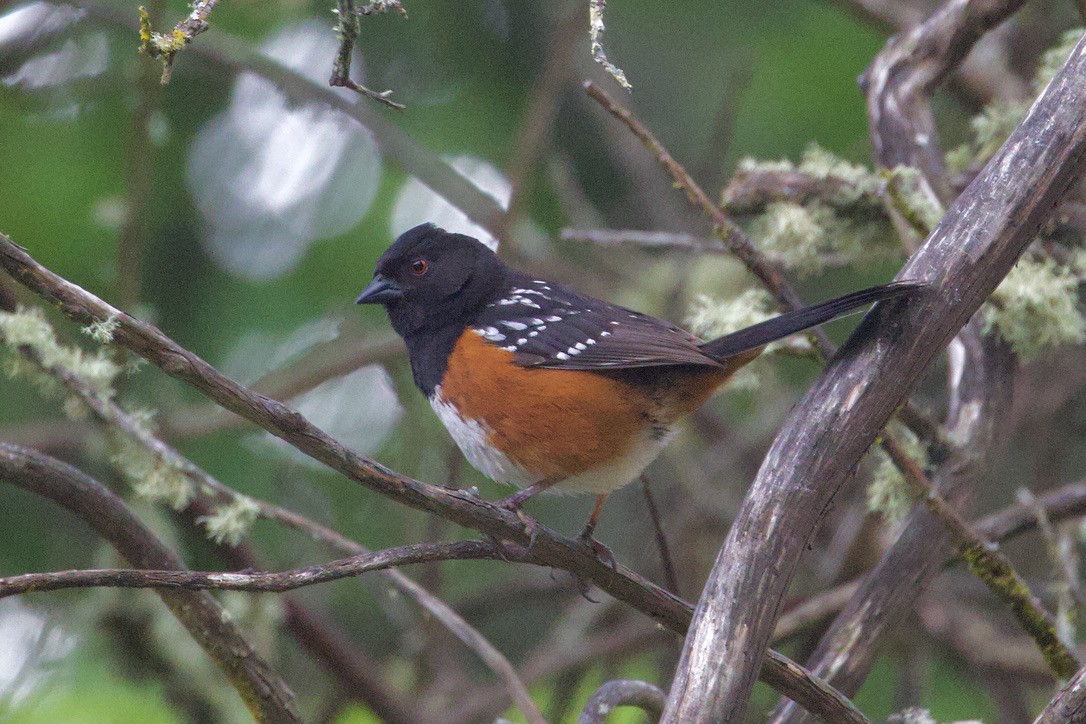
[(546, 388)]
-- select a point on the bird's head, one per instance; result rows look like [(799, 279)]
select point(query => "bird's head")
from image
[(430, 277)]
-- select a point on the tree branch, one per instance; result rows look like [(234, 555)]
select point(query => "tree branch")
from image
[(622, 692), (963, 261), (990, 566), (1069, 705), (252, 582), (266, 695)]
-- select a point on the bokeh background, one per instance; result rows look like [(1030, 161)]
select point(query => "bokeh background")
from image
[(244, 224)]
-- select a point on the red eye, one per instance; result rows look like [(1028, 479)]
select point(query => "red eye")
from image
[(419, 267)]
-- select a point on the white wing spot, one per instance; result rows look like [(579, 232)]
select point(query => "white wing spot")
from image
[(515, 325), (510, 348), (535, 321), (522, 340), (614, 323), (554, 318), (562, 355), (590, 341), (605, 334), (533, 334), (573, 351), (580, 346), (542, 327)]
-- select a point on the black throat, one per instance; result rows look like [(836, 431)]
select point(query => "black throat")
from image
[(429, 351), (430, 332)]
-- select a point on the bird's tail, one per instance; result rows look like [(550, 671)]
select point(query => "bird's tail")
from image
[(761, 334)]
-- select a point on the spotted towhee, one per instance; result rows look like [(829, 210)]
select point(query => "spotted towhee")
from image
[(544, 387)]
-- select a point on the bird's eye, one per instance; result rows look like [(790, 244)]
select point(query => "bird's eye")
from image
[(419, 267)]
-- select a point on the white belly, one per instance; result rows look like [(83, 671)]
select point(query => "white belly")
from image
[(471, 437)]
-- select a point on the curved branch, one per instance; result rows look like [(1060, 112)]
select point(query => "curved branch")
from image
[(963, 261), (622, 692), (253, 582), (267, 696)]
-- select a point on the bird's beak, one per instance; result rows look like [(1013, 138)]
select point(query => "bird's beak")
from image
[(379, 291)]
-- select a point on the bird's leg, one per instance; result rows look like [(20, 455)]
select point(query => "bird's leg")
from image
[(517, 499), (603, 552)]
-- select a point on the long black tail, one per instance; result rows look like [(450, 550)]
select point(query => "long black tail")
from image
[(788, 323)]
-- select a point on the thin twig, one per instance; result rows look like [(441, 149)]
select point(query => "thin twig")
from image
[(990, 566), (661, 539), (233, 55), (734, 238), (165, 46), (243, 581), (348, 33)]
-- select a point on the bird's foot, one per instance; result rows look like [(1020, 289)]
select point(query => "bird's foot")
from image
[(513, 504), (602, 552)]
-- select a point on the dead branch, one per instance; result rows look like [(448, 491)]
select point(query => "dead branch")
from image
[(963, 261)]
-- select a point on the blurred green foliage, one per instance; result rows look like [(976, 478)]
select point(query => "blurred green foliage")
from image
[(784, 73)]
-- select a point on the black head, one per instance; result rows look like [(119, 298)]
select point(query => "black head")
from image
[(430, 278)]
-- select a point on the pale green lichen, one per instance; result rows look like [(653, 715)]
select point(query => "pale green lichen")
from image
[(230, 522), (595, 37), (790, 233), (1036, 308), (994, 124), (101, 331), (29, 329), (844, 221), (855, 183), (803, 237), (860, 183), (912, 715), (711, 318), (888, 494), (904, 186), (151, 477)]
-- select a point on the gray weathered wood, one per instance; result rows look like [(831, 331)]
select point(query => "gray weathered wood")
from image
[(963, 260)]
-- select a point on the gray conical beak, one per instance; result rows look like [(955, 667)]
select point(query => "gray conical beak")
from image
[(379, 291)]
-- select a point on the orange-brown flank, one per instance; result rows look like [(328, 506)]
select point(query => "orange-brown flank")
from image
[(558, 423)]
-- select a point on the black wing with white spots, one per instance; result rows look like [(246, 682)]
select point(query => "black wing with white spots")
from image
[(549, 325)]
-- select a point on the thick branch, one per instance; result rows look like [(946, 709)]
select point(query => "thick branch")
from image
[(826, 434), (266, 695), (900, 81), (1069, 705)]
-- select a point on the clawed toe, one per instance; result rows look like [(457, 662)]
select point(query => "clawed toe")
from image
[(602, 552)]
